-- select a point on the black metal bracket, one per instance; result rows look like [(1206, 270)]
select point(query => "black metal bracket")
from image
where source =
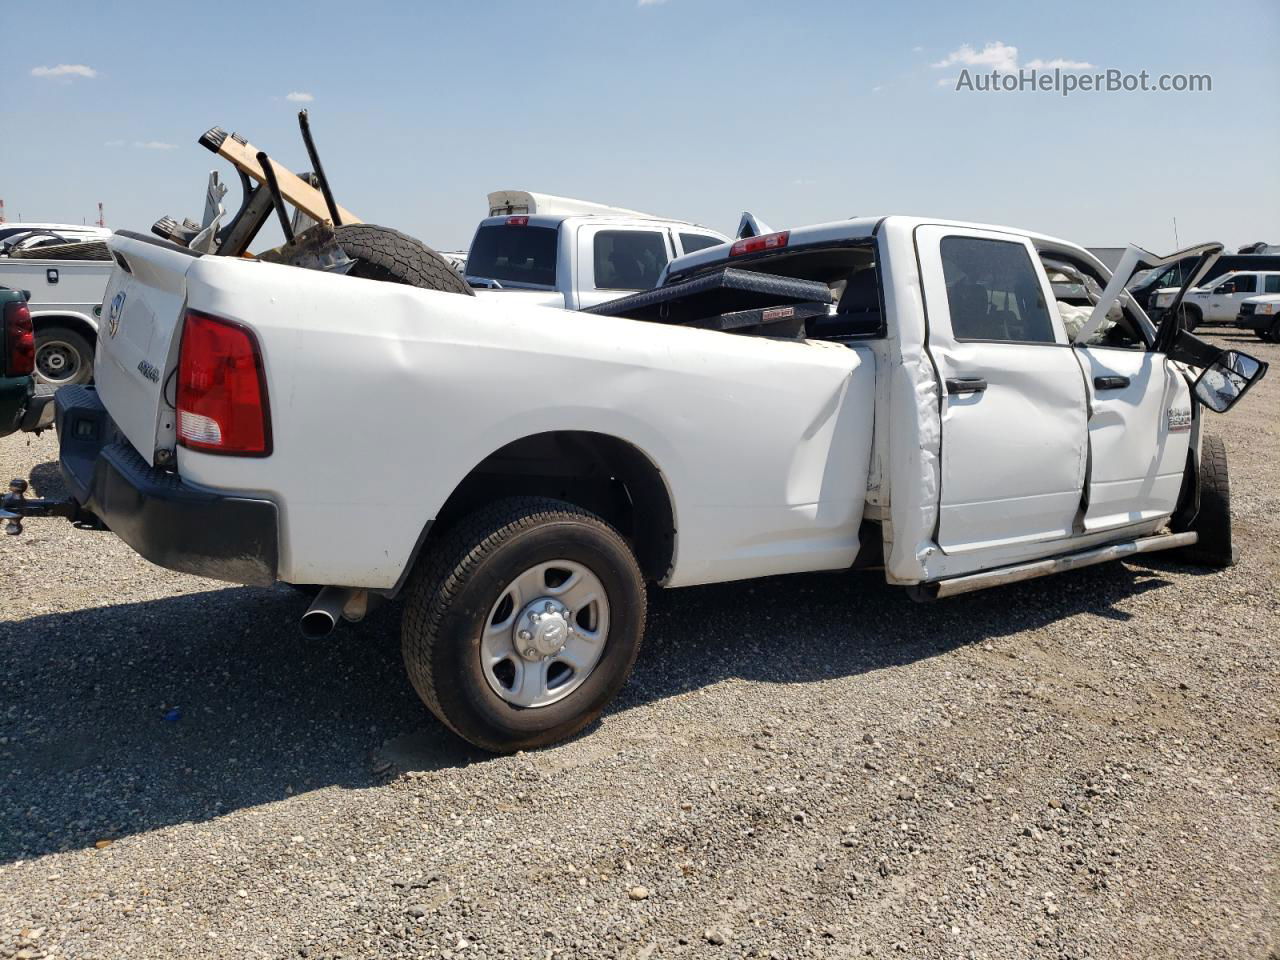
[(304, 124), (269, 172)]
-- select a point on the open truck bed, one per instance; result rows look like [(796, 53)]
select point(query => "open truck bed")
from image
[(729, 300)]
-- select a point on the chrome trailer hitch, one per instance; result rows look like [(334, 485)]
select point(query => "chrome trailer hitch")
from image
[(15, 507)]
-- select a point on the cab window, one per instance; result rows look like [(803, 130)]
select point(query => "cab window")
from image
[(692, 242), (1244, 283), (1272, 284), (629, 259), (994, 292)]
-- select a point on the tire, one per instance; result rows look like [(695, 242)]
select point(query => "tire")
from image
[(385, 254), (1272, 335), (1191, 316), (464, 585), (1213, 519), (63, 356)]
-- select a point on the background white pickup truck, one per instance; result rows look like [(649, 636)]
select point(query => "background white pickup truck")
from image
[(574, 253), (520, 474), (64, 268), (1219, 301)]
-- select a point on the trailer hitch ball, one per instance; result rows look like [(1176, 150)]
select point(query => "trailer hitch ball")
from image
[(17, 493)]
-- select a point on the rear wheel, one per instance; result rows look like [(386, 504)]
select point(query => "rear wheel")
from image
[(381, 253), (1273, 334), (1213, 520), (523, 623), (63, 356)]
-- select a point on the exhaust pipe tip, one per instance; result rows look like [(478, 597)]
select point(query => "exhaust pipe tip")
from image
[(317, 623), (330, 604)]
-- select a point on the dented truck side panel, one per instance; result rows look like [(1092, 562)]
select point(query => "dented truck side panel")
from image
[(763, 444)]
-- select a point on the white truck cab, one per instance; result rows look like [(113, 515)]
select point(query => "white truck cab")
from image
[(573, 253), (1220, 301)]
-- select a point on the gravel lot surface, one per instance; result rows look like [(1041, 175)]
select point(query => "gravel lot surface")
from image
[(1082, 766)]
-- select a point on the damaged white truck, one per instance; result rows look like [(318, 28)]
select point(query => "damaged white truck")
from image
[(896, 393)]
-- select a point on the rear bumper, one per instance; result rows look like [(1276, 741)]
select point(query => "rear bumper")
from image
[(1255, 321), (15, 395), (167, 521)]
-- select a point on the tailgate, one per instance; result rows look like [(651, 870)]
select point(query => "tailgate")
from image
[(138, 338)]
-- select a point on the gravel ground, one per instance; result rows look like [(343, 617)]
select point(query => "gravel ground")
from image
[(1082, 766)]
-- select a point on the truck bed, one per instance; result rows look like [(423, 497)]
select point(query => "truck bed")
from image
[(740, 301)]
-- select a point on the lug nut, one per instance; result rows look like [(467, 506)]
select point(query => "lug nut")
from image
[(525, 635), (529, 654), (548, 607)]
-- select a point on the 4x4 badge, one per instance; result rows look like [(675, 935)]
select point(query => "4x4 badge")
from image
[(113, 315)]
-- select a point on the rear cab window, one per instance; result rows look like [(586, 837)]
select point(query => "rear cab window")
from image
[(628, 259), (693, 242), (516, 254)]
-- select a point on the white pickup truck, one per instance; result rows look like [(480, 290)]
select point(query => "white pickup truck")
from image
[(1220, 301), (64, 270), (905, 398), (574, 253)]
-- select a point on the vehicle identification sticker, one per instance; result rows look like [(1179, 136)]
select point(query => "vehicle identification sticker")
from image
[(150, 371), (1179, 419)]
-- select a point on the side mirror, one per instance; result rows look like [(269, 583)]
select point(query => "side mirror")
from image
[(1228, 379), (1226, 288)]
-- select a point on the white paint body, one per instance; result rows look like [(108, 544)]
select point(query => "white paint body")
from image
[(76, 294), (1219, 301), (383, 398)]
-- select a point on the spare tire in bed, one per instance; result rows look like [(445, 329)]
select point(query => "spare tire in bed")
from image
[(381, 253)]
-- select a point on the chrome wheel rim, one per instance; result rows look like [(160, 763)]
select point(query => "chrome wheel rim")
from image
[(545, 634), (57, 361)]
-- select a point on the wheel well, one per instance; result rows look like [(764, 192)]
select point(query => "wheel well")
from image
[(72, 322), (600, 473)]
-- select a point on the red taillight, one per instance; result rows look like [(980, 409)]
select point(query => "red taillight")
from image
[(222, 393), (517, 221), (19, 340), (767, 241)]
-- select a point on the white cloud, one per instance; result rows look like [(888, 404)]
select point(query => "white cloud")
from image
[(876, 89), (1058, 63), (947, 81), (65, 70), (1003, 58), (299, 96), (142, 144), (996, 56), (917, 49), (649, 3)]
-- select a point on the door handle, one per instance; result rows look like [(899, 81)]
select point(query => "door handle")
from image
[(1110, 383), (958, 385)]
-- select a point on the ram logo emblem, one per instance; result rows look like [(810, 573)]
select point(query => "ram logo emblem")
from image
[(113, 315)]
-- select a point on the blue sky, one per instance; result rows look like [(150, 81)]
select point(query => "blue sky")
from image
[(800, 112)]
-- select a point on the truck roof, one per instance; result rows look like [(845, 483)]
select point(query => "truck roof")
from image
[(866, 227)]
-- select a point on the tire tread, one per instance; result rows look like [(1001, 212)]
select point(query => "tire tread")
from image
[(442, 572)]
